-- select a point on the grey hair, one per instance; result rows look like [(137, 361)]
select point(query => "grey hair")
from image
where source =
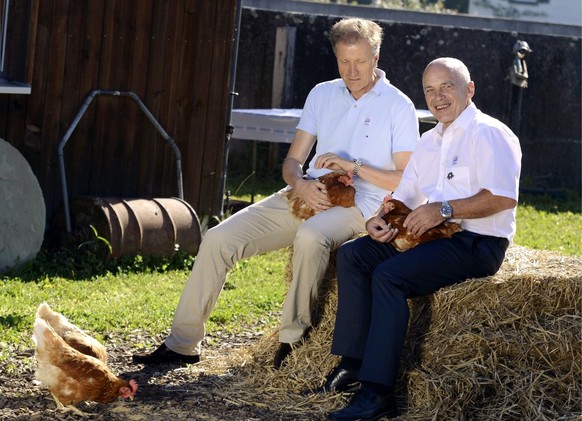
[(351, 30)]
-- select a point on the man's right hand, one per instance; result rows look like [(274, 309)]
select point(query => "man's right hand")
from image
[(380, 231), (313, 194)]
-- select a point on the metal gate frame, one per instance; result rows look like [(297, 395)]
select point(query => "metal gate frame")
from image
[(74, 124)]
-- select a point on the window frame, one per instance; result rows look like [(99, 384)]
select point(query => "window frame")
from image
[(15, 31)]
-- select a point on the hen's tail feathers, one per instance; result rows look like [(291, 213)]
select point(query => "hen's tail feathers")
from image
[(72, 334), (58, 322), (43, 335)]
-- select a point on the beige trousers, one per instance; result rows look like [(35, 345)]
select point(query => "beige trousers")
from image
[(262, 227)]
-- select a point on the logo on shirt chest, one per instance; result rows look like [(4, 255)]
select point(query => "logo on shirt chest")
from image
[(367, 124)]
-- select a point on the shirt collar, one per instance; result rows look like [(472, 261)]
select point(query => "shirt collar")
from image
[(378, 87), (462, 121), (382, 82)]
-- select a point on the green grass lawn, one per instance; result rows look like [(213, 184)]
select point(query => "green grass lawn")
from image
[(135, 296), (118, 299), (546, 223)]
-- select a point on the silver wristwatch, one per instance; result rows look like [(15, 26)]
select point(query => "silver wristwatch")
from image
[(357, 166), (446, 210)]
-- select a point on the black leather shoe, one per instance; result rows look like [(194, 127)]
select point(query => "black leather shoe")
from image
[(367, 406), (164, 355), (339, 380), (282, 353)]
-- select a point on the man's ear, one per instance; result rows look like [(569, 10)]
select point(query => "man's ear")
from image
[(470, 89)]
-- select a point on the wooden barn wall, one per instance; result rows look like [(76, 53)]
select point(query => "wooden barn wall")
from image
[(174, 54)]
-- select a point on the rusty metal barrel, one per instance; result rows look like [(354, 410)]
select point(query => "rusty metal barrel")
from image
[(147, 227)]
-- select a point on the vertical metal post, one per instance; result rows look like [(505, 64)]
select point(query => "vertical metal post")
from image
[(229, 128)]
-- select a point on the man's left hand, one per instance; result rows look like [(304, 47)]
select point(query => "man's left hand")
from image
[(423, 218)]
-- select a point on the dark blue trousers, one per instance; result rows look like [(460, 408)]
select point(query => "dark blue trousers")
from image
[(375, 280)]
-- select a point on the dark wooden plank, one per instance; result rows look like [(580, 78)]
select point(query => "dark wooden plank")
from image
[(87, 65), (172, 98), (109, 160), (78, 166), (219, 89), (123, 136), (156, 66), (141, 130), (185, 112), (211, 67), (194, 118), (47, 176), (32, 37), (52, 66)]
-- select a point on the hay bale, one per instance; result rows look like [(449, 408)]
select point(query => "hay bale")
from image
[(503, 347)]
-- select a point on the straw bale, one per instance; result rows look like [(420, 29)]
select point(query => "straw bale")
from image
[(505, 347)]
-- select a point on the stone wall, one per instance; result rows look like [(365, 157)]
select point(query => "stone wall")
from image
[(550, 117)]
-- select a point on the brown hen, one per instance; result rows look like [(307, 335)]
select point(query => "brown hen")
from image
[(71, 334), (71, 376), (339, 188), (396, 213)]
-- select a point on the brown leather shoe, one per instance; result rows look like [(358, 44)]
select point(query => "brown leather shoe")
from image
[(164, 355)]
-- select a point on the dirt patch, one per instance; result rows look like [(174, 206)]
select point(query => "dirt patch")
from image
[(167, 392)]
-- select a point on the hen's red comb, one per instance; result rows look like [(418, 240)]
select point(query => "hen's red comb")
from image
[(133, 385)]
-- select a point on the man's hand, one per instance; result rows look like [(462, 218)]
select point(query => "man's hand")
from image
[(313, 194), (333, 162), (380, 231), (423, 218)]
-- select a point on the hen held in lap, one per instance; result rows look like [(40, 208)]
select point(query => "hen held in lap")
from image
[(396, 213)]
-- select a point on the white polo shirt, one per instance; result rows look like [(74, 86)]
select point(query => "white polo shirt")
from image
[(476, 152), (380, 123)]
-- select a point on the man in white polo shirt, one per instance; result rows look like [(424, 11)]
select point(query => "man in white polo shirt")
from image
[(358, 123)]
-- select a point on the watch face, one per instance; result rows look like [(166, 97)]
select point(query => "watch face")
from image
[(446, 210)]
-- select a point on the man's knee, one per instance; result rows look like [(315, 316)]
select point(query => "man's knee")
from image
[(216, 236), (309, 238), (349, 251)]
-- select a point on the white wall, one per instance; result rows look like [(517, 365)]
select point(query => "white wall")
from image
[(567, 12)]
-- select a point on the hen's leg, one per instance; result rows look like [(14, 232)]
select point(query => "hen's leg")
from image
[(71, 408)]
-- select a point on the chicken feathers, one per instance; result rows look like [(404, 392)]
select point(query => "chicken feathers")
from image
[(71, 334), (72, 376), (339, 188), (396, 213)]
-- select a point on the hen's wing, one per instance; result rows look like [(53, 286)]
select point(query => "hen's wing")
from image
[(298, 207), (72, 334), (339, 192), (70, 375)]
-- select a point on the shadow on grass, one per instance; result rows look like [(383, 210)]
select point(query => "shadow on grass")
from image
[(86, 263), (552, 201)]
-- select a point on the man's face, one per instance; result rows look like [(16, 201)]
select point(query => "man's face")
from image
[(446, 94), (356, 66)]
